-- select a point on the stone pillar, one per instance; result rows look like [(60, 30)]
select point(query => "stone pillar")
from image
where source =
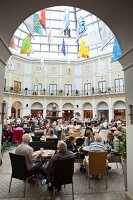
[(127, 62), (4, 56)]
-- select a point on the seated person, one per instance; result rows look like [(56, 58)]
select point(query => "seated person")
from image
[(27, 151), (62, 154), (51, 134), (89, 138), (72, 147), (113, 147), (70, 144)]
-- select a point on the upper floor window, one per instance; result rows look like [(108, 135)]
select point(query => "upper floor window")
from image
[(102, 88), (53, 89), (119, 85), (68, 89), (87, 89), (17, 86)]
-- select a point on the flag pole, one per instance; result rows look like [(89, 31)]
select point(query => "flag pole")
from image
[(107, 43)]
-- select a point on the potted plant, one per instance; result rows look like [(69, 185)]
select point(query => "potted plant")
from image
[(123, 153), (109, 89), (60, 92), (77, 92), (26, 89), (11, 89), (92, 89), (77, 113)]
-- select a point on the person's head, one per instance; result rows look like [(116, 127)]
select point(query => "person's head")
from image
[(62, 146), (26, 138), (119, 128), (51, 131), (71, 138), (88, 133), (110, 136), (98, 139)]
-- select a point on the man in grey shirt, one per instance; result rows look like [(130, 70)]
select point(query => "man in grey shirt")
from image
[(30, 158), (63, 153)]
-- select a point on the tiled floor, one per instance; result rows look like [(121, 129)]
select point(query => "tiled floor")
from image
[(115, 189)]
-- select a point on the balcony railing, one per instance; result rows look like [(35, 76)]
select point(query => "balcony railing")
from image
[(93, 92)]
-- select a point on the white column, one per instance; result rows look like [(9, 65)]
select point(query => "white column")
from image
[(127, 62)]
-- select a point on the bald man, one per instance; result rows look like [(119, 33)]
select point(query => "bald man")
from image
[(63, 153)]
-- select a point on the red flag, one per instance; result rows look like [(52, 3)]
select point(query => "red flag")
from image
[(43, 18), (12, 43)]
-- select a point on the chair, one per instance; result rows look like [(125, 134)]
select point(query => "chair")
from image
[(114, 158), (36, 145), (55, 140), (17, 135), (35, 138), (63, 173), (59, 134), (19, 169), (97, 164), (39, 133), (48, 145), (27, 129)]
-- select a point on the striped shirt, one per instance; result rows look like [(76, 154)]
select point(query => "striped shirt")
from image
[(97, 146)]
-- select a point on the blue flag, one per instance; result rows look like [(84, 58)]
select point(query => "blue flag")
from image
[(63, 49), (116, 51), (81, 27)]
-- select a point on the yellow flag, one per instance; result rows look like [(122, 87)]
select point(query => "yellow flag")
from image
[(83, 51), (26, 45)]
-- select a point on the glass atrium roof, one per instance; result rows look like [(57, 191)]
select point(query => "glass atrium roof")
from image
[(96, 36)]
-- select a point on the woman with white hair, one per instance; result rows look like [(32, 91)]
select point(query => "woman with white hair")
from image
[(27, 151)]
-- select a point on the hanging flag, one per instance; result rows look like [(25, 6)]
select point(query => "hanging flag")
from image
[(67, 31), (116, 51), (81, 27), (10, 65), (50, 36), (29, 23), (12, 43), (63, 49), (93, 36), (66, 19), (26, 45), (43, 19), (37, 24), (83, 51), (105, 33), (69, 68)]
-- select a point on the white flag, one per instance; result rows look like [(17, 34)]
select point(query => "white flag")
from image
[(105, 33), (29, 23), (93, 36), (50, 36)]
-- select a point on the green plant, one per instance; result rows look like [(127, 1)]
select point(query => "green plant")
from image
[(5, 146), (77, 113), (123, 145), (60, 91), (92, 89)]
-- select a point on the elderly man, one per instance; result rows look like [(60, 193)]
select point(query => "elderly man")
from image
[(27, 151), (62, 154)]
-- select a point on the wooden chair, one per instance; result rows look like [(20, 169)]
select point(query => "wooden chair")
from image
[(19, 169), (63, 173), (97, 164)]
